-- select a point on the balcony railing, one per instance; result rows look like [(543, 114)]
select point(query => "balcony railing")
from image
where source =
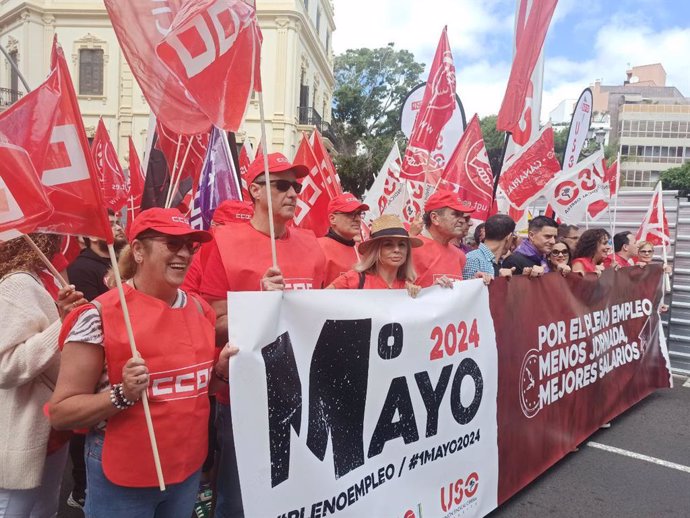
[(308, 116), (8, 96)]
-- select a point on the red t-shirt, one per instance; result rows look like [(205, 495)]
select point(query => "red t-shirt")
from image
[(240, 256), (340, 258), (611, 260), (433, 260), (586, 263), (350, 281), (195, 272)]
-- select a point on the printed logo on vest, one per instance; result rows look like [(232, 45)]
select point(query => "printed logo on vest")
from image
[(183, 383)]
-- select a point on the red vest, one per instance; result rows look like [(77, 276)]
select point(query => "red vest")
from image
[(586, 263), (340, 258), (433, 260), (178, 346)]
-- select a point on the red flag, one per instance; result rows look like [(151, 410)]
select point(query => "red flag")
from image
[(436, 110), (612, 176), (137, 180), (214, 49), (23, 202), (469, 172), (528, 48), (312, 203), (140, 27), (654, 226), (111, 177), (191, 168), (28, 123), (245, 159), (527, 175), (323, 159)]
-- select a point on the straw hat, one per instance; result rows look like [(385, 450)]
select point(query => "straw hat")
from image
[(388, 225)]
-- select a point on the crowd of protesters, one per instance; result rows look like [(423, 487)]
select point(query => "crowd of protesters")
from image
[(67, 372)]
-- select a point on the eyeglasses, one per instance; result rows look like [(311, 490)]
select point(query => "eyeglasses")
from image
[(646, 251), (174, 244), (351, 215), (284, 185), (559, 252)]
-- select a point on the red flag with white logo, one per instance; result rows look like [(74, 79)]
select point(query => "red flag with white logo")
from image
[(326, 164), (69, 174), (213, 48), (140, 26), (527, 174), (528, 48), (312, 203), (245, 158), (137, 180), (387, 194), (23, 202), (185, 154), (469, 172), (436, 110), (110, 174), (654, 226)]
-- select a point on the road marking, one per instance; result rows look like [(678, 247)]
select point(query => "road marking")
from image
[(639, 456), (687, 383)]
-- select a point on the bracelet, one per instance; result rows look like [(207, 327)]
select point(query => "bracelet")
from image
[(221, 377), (123, 399), (115, 398)]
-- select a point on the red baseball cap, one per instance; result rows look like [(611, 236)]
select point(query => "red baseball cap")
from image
[(277, 163), (233, 211), (442, 198), (166, 221), (346, 202)]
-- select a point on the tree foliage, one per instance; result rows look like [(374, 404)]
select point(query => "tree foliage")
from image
[(677, 178), (371, 85)]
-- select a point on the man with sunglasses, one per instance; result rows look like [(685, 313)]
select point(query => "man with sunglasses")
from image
[(345, 218), (240, 260)]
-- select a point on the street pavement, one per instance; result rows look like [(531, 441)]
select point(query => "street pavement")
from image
[(647, 475)]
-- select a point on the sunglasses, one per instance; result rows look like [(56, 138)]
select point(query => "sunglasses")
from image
[(284, 185), (646, 252), (559, 252), (351, 215), (174, 245)]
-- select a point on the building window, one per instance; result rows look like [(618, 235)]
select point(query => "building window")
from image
[(318, 20), (91, 72)]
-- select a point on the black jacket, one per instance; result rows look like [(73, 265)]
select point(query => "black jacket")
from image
[(520, 262), (87, 272)]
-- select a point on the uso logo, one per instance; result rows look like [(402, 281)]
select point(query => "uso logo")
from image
[(455, 492)]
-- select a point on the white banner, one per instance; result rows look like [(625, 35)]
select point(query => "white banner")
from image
[(378, 405), (579, 127), (387, 193), (571, 192)]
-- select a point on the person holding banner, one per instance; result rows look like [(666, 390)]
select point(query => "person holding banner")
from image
[(594, 245), (624, 251), (240, 260), (486, 259), (32, 455), (100, 385), (386, 260), (560, 257), (439, 260), (531, 256), (345, 219)]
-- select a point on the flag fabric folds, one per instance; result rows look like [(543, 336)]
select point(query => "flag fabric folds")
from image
[(245, 158), (312, 202), (214, 49), (436, 110), (323, 159), (387, 193), (612, 178), (527, 174), (654, 226), (111, 177), (190, 169), (469, 172), (137, 179)]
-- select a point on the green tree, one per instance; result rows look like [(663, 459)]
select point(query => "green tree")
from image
[(677, 178), (371, 85), (494, 141)]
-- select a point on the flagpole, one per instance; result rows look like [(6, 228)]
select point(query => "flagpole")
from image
[(174, 169), (15, 68), (271, 225), (618, 188), (135, 354), (660, 219), (172, 192), (45, 260)]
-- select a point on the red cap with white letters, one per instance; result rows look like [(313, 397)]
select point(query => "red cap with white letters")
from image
[(166, 221)]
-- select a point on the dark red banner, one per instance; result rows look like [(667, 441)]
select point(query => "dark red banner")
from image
[(573, 353)]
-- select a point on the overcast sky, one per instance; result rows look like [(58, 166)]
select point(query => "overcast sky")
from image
[(587, 40)]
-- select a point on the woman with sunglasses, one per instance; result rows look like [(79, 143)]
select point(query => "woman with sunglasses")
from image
[(645, 252), (559, 257), (594, 245), (385, 259), (100, 384)]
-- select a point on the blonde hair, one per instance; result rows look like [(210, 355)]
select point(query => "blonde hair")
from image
[(126, 262), (644, 243), (369, 260)]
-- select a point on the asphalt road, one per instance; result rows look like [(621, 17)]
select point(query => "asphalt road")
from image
[(594, 482)]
